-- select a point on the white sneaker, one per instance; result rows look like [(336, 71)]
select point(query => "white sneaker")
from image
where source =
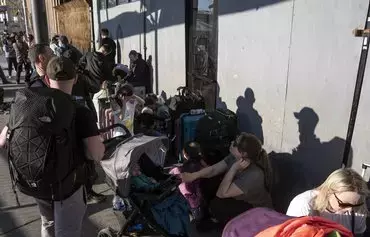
[(10, 77)]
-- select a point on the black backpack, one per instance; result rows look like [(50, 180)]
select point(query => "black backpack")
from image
[(185, 101), (42, 151), (215, 132)]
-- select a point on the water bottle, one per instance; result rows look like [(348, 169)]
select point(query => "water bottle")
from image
[(136, 228), (118, 204)]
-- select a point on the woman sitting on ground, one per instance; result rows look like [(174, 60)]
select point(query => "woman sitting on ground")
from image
[(341, 198), (247, 178)]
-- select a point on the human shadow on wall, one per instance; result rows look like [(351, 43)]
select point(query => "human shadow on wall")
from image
[(309, 164), (172, 13), (220, 104), (249, 120)]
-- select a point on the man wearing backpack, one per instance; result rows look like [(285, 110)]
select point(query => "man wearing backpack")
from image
[(48, 139), (40, 55)]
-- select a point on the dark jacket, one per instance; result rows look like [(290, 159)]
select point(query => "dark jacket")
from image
[(140, 75), (69, 51), (97, 66), (21, 51), (112, 45), (36, 80), (80, 92)]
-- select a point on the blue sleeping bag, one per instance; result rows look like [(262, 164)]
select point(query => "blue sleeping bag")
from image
[(172, 213)]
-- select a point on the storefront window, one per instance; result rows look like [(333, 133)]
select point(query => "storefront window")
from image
[(103, 4), (112, 3), (203, 46), (126, 1)]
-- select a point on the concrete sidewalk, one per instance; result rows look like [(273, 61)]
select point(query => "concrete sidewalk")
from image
[(24, 221)]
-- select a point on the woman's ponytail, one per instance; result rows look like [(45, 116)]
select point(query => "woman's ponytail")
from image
[(264, 163)]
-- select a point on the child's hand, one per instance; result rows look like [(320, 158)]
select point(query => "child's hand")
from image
[(187, 177)]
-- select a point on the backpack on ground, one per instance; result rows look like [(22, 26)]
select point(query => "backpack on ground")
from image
[(214, 132), (42, 151)]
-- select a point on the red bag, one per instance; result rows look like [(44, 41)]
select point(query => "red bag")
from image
[(308, 226)]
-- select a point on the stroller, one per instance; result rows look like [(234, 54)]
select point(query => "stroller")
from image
[(122, 154)]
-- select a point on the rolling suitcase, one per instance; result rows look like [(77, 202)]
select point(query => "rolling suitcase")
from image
[(185, 129), (215, 132)]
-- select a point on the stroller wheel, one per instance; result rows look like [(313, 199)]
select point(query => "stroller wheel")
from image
[(107, 232)]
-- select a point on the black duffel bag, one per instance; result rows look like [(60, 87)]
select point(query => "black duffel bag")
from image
[(215, 132), (185, 101)]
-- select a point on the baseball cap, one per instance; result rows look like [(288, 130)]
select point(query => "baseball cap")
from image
[(61, 69), (307, 114)]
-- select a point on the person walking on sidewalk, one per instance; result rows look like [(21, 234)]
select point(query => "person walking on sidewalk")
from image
[(54, 177), (21, 52), (10, 56)]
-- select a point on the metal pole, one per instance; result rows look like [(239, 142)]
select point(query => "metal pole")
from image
[(39, 20), (357, 92), (25, 16), (92, 41)]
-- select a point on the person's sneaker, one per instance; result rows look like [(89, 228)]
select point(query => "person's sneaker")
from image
[(6, 82), (93, 198), (10, 77)]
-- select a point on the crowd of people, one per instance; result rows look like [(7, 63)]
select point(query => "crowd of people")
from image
[(15, 47), (241, 181)]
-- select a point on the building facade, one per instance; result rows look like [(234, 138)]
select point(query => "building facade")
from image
[(12, 16), (68, 17), (287, 68)]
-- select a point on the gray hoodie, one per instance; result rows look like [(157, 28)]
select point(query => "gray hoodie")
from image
[(9, 51)]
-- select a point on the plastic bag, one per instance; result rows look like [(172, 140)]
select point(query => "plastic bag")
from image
[(126, 119)]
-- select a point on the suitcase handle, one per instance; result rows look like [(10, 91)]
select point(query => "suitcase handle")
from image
[(364, 168)]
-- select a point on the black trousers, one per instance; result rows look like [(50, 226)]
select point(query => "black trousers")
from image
[(223, 209), (12, 64), (27, 69)]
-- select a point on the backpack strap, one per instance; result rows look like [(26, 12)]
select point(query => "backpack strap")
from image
[(353, 221), (11, 169)]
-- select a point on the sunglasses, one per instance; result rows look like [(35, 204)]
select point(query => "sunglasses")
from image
[(346, 205)]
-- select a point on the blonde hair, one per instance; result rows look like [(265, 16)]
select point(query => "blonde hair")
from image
[(342, 180)]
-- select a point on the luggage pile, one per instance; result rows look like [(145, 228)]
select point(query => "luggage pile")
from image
[(213, 130)]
